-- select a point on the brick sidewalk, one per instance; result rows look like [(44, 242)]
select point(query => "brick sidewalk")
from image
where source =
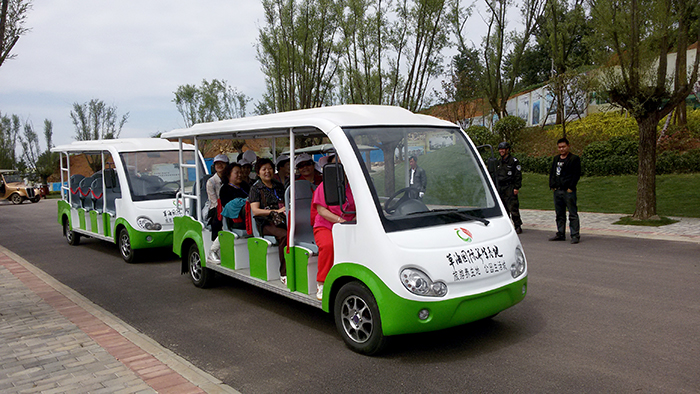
[(52, 340)]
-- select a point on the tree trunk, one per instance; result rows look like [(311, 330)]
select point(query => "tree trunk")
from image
[(646, 178)]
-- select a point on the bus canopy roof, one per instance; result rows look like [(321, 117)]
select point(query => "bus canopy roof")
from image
[(120, 145), (323, 118)]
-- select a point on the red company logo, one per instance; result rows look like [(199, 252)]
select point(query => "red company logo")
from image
[(464, 234)]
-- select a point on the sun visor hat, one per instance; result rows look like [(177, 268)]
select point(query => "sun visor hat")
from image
[(248, 158), (302, 158), (221, 157)]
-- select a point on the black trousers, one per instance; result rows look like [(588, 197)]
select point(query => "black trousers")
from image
[(511, 203), (563, 201)]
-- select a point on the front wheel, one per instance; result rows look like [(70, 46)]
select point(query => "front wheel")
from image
[(128, 254), (16, 198), (357, 319), (72, 237), (35, 199), (201, 276)]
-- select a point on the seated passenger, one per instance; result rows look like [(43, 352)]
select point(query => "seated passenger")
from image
[(213, 187), (325, 218), (306, 168), (246, 161), (282, 174), (266, 197), (230, 191)]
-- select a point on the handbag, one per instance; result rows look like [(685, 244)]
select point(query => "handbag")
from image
[(277, 219)]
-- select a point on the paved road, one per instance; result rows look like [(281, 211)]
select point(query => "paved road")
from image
[(608, 315)]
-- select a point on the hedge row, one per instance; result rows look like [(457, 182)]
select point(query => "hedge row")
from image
[(618, 156)]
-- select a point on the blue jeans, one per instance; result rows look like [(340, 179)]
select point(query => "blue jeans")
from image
[(563, 201)]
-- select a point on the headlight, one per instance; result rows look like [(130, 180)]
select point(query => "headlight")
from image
[(518, 267), (417, 282), (147, 224)]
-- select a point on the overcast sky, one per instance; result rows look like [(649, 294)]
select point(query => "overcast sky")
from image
[(131, 54)]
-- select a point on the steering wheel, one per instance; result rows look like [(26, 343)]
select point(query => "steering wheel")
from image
[(389, 208)]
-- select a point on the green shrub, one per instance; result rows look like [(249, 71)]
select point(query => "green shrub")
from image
[(616, 156), (669, 162), (508, 128), (481, 135), (537, 165)]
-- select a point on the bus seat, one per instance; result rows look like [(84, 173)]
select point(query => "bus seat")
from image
[(203, 197), (96, 193), (112, 193), (74, 189), (240, 233), (304, 231)]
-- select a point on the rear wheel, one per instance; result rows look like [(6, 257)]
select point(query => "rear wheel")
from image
[(16, 198), (128, 254), (357, 319), (201, 276), (72, 237)]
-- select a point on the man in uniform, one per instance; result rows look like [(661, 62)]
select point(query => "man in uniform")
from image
[(510, 178)]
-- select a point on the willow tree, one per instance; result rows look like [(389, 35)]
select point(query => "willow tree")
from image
[(297, 52), (13, 15), (634, 41), (503, 48)]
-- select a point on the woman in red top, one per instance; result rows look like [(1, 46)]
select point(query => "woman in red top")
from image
[(323, 224)]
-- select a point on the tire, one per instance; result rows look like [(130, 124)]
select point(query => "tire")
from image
[(357, 319), (16, 198), (201, 276), (72, 237), (128, 254), (35, 199)]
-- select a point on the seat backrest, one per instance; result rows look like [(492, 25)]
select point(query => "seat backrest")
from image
[(84, 192), (203, 198), (74, 186), (304, 191)]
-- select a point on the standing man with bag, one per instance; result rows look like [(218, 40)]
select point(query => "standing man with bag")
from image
[(510, 179), (563, 177)]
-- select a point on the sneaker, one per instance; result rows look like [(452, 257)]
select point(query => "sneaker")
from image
[(575, 240), (283, 279), (518, 230), (558, 238), (319, 292)]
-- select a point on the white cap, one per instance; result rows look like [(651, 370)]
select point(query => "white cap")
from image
[(248, 158), (281, 158), (302, 158), (221, 157)]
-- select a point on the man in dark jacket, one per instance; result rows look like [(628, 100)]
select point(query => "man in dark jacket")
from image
[(563, 177), (417, 179), (510, 179)]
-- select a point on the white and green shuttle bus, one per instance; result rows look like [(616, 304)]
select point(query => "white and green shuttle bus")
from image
[(407, 263), (125, 192)]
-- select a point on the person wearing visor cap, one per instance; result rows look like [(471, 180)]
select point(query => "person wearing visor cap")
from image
[(246, 161), (306, 169), (213, 187)]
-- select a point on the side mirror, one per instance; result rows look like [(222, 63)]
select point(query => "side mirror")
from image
[(334, 184), (110, 178)]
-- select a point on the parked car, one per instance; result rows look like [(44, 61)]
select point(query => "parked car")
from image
[(14, 188)]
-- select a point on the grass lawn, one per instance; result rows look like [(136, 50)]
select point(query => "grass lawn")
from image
[(676, 194)]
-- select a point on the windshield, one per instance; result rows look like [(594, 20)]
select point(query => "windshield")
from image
[(155, 175), (12, 178), (423, 176)]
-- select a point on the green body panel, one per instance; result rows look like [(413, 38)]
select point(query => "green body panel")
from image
[(138, 238), (228, 255), (257, 250), (187, 228), (106, 224), (301, 264), (64, 209), (400, 316), (81, 217), (93, 221)]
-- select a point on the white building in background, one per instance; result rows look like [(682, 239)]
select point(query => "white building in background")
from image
[(539, 107)]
